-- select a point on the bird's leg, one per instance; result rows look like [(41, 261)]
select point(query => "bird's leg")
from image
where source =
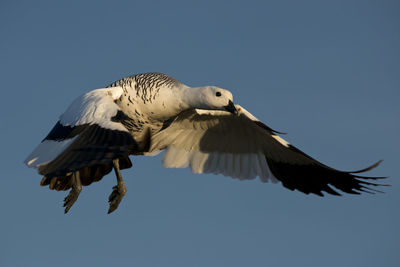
[(119, 190), (74, 193)]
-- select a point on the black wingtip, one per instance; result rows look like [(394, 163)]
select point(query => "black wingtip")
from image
[(376, 164)]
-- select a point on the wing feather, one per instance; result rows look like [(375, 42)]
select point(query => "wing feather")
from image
[(86, 135), (95, 145), (95, 107), (243, 147)]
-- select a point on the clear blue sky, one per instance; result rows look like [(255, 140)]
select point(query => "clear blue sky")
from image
[(325, 72)]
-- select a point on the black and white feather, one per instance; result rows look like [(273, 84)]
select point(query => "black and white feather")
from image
[(149, 113), (85, 136), (242, 147)]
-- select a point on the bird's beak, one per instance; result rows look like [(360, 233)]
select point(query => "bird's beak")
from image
[(231, 108)]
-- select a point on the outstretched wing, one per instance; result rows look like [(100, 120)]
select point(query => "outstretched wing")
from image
[(243, 147), (85, 135)]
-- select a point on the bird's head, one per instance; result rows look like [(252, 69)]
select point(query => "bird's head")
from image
[(215, 98)]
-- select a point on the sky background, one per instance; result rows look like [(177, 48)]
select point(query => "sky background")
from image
[(325, 72)]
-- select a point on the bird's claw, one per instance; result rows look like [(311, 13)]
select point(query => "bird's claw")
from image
[(116, 196)]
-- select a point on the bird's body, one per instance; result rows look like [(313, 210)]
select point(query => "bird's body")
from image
[(198, 127)]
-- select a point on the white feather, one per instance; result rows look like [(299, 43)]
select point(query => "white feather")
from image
[(228, 166), (197, 161), (237, 169), (244, 166), (212, 163), (281, 140), (96, 106), (263, 176), (175, 158), (46, 152)]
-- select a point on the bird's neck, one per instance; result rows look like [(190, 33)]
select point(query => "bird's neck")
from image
[(192, 97)]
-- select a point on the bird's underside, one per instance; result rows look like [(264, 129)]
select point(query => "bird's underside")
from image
[(99, 131)]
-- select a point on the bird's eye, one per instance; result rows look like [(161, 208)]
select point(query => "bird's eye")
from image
[(218, 93)]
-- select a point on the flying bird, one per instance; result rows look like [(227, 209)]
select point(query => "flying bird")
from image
[(199, 127)]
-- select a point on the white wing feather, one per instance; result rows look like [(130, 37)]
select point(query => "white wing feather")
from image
[(46, 152), (217, 142), (96, 106)]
